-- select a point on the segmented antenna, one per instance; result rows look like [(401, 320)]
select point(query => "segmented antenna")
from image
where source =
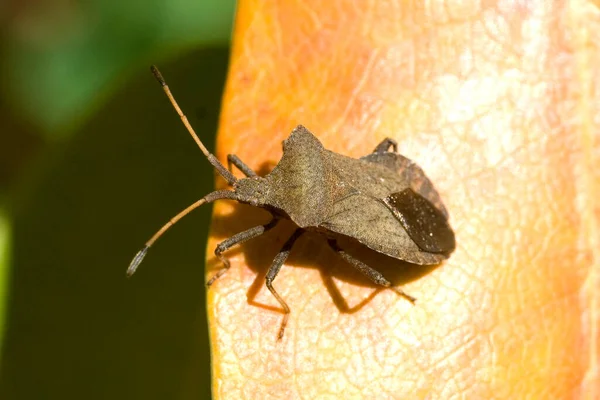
[(220, 194), (139, 257), (224, 172)]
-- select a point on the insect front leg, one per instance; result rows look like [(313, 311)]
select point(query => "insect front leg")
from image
[(373, 275), (236, 239), (235, 160), (385, 145), (274, 270)]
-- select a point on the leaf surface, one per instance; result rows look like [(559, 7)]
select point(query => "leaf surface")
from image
[(499, 105)]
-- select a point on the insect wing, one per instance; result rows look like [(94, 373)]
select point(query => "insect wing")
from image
[(410, 174), (371, 222)]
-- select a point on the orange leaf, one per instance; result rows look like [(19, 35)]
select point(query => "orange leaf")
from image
[(497, 103)]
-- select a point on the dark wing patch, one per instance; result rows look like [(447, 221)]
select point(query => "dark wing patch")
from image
[(426, 225)]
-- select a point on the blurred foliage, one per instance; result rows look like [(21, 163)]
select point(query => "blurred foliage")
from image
[(5, 248), (92, 161), (61, 55)]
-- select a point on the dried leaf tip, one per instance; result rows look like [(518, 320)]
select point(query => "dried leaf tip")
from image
[(158, 75), (137, 260)]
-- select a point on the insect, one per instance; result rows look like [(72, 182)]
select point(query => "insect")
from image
[(382, 200)]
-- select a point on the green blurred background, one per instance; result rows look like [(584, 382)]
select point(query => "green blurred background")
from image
[(92, 161)]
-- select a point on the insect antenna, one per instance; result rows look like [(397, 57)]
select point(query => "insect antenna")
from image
[(224, 172), (217, 195), (142, 253), (209, 198)]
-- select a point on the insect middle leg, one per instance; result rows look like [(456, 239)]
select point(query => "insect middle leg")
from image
[(372, 274), (385, 145), (236, 239), (235, 160), (274, 270)]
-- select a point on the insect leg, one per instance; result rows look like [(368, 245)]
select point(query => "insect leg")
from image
[(274, 270), (372, 274), (385, 145), (236, 239), (235, 160)]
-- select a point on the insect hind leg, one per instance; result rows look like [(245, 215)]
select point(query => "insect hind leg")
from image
[(274, 270), (236, 239), (232, 159), (374, 275), (385, 145)]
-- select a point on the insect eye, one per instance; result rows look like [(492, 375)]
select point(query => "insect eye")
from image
[(425, 224)]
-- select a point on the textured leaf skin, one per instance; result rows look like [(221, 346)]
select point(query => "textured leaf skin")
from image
[(498, 106)]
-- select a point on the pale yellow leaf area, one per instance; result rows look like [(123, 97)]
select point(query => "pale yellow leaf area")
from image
[(499, 102)]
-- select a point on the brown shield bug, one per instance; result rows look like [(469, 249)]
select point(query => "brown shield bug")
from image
[(382, 200)]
